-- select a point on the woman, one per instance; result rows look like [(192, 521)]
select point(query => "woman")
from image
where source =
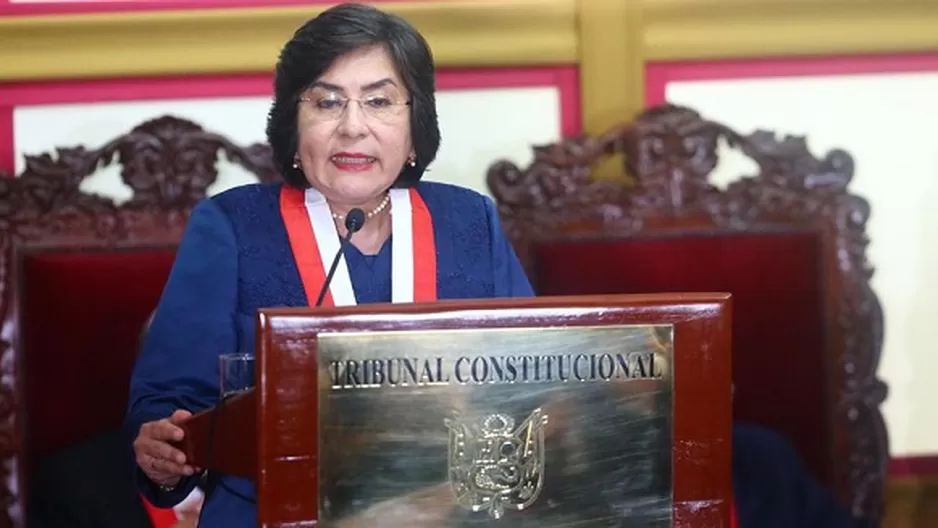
[(353, 125)]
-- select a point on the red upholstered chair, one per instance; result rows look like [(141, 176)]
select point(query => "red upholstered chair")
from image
[(788, 243), (79, 276)]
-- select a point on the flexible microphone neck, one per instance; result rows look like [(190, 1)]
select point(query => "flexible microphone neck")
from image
[(354, 221)]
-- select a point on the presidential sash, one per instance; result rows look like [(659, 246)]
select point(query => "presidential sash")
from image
[(160, 517), (314, 242)]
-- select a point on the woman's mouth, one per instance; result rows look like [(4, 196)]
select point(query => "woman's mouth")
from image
[(353, 162)]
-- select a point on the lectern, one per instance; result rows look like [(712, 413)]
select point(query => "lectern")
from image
[(556, 411)]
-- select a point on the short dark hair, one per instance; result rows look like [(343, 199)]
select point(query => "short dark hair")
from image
[(312, 50)]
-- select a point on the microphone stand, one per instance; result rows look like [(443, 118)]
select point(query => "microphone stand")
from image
[(354, 221)]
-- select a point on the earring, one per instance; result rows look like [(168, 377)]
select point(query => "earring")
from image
[(296, 162), (412, 160)]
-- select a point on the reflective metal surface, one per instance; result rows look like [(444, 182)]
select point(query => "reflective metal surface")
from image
[(496, 427)]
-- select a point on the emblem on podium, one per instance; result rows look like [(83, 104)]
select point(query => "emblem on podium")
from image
[(494, 466)]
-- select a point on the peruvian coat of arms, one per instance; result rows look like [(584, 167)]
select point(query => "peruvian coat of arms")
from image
[(495, 466)]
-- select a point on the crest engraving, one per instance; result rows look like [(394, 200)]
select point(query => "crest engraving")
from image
[(494, 466)]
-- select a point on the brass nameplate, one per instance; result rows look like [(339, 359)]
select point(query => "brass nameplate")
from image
[(502, 427)]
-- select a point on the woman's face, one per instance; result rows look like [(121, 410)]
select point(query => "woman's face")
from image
[(354, 128)]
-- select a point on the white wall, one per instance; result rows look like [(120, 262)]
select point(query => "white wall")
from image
[(886, 121), (478, 127)]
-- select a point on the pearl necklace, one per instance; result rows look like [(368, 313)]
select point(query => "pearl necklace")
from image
[(381, 206)]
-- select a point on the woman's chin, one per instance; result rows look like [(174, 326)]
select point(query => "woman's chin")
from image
[(357, 192)]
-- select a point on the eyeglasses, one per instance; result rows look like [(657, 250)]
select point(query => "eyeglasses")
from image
[(332, 107)]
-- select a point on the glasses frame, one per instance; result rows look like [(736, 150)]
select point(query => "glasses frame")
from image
[(348, 100)]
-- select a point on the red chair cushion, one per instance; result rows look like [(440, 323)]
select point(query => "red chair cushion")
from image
[(778, 332), (80, 320)]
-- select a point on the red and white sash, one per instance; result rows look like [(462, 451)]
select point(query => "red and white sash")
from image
[(314, 241), (160, 517), (170, 517)]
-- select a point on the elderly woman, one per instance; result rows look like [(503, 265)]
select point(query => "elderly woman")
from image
[(353, 126)]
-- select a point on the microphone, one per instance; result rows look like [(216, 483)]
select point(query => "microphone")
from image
[(354, 221)]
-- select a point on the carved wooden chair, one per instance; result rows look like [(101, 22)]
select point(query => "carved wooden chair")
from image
[(80, 275), (789, 243)]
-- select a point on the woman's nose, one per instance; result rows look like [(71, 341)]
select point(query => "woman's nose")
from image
[(352, 122)]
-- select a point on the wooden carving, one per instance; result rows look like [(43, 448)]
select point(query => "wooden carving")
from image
[(169, 163), (670, 152)]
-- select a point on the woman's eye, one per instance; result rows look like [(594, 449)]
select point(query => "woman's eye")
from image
[(378, 102), (328, 104)]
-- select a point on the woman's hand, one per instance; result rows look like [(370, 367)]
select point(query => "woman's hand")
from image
[(162, 463)]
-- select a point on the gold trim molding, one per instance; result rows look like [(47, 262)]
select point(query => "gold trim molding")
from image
[(911, 502), (244, 40), (611, 40), (725, 29), (671, 30), (610, 61)]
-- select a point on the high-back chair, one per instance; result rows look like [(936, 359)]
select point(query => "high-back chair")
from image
[(788, 242), (79, 276)]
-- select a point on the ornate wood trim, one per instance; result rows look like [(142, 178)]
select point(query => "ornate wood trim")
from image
[(169, 164), (671, 152)]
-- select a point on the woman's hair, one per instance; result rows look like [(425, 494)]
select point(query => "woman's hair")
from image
[(334, 33)]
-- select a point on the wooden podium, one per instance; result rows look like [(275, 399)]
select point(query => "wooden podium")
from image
[(405, 414)]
